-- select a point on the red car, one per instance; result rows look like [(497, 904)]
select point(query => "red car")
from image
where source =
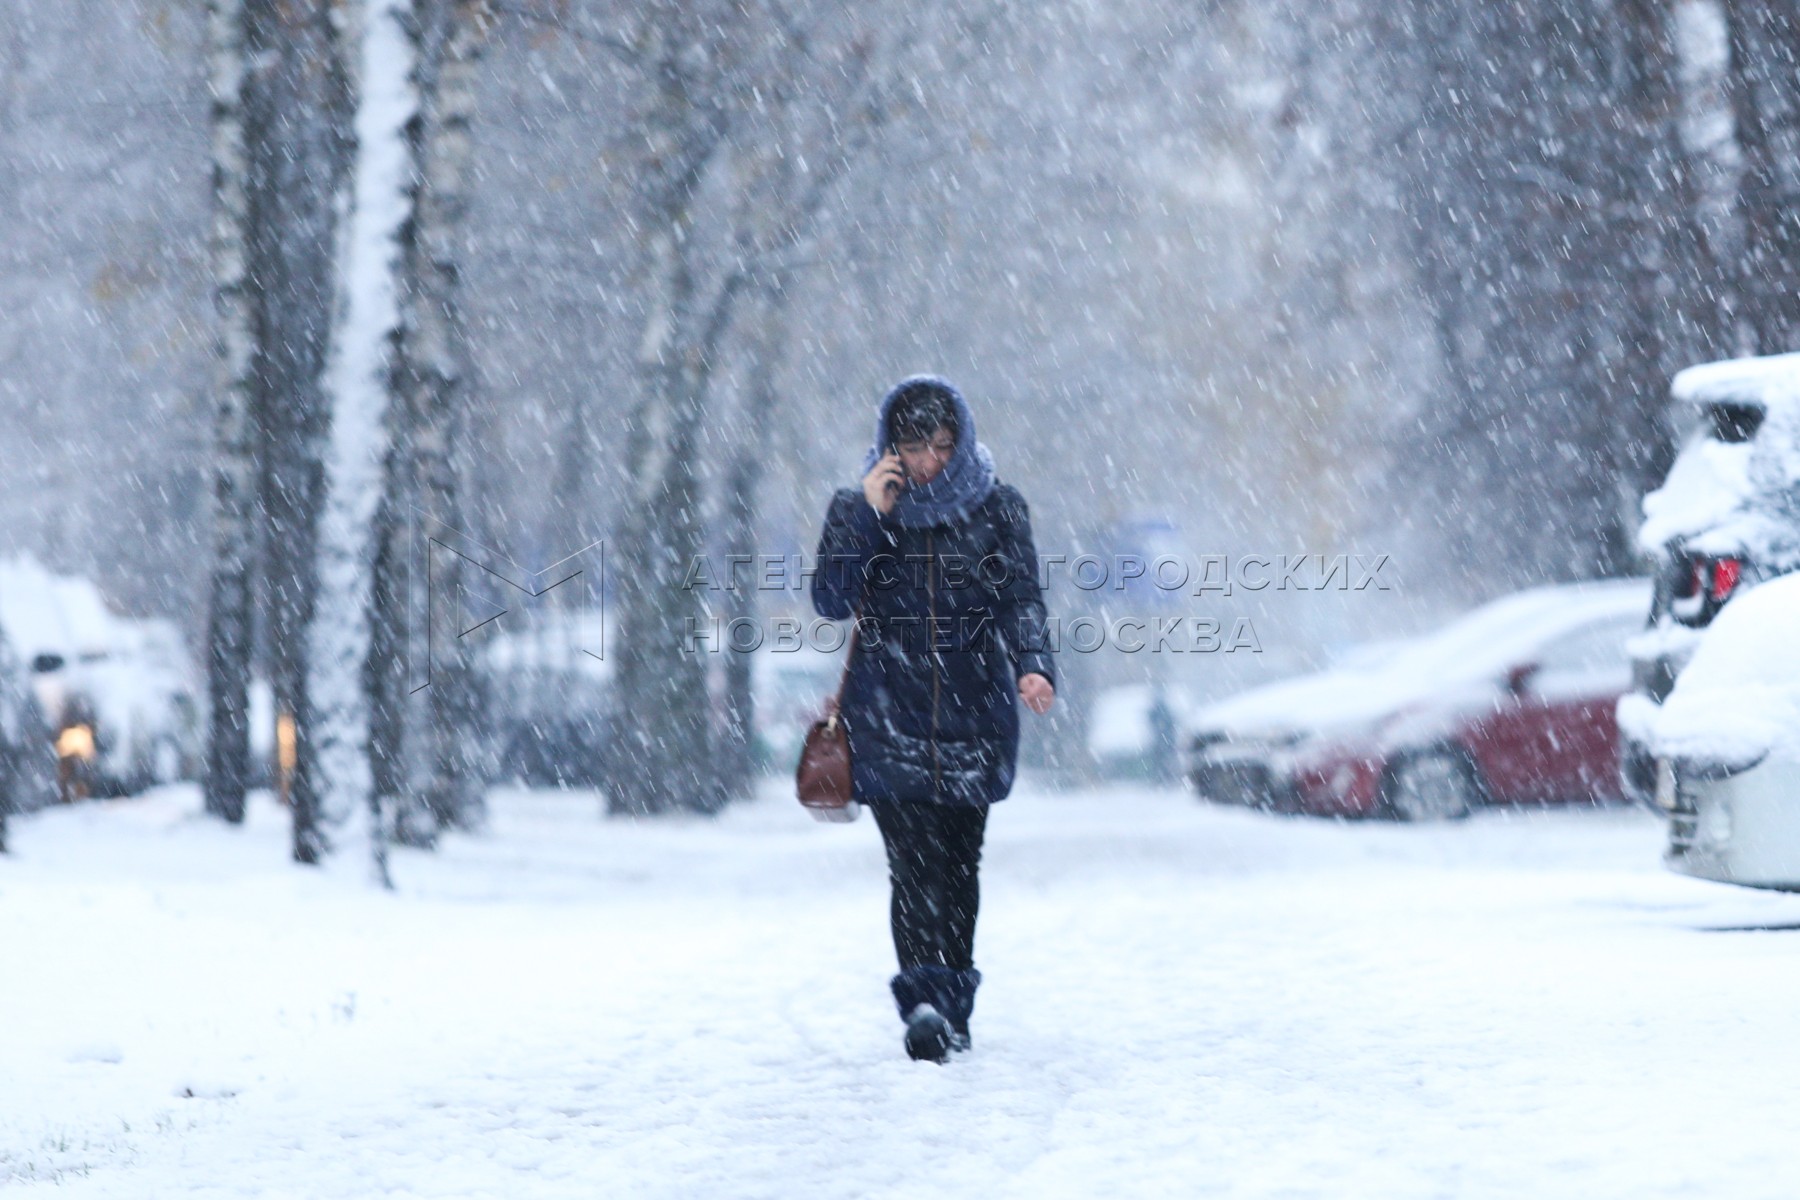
[(1512, 703)]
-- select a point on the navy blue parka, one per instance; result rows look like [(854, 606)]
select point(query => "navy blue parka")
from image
[(951, 616)]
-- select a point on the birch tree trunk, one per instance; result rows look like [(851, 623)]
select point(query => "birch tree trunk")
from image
[(663, 749), (386, 672), (737, 765), (234, 399), (662, 759), (431, 372), (297, 114), (340, 634)]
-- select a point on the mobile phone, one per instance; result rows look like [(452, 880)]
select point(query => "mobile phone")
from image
[(905, 475)]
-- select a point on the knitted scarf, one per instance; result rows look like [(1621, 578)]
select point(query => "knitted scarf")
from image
[(965, 480)]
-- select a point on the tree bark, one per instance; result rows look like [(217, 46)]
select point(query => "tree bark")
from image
[(228, 640), (663, 745), (297, 115), (737, 765), (341, 635), (663, 738), (432, 373)]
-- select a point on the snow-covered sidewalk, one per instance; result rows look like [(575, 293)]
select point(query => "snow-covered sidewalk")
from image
[(1180, 1001)]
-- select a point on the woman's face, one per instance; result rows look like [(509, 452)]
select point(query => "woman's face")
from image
[(923, 459)]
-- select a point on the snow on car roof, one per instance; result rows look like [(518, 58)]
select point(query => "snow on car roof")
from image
[(1768, 379), (44, 612), (1475, 648), (1739, 697)]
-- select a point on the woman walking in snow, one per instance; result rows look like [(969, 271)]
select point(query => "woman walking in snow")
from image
[(935, 558)]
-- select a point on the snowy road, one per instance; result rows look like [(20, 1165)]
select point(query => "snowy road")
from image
[(1181, 1001)]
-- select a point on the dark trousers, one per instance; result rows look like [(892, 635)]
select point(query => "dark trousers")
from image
[(933, 852)]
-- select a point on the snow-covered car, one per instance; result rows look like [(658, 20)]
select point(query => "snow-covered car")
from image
[(1726, 518), (118, 692), (1511, 703), (1727, 745)]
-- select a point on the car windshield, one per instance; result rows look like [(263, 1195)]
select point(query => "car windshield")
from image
[(1495, 636), (1733, 421), (1466, 649)]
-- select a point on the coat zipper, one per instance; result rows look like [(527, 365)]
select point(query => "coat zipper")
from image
[(931, 648)]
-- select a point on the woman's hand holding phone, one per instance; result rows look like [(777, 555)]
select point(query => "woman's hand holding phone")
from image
[(881, 486)]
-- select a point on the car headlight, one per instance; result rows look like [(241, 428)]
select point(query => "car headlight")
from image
[(76, 741)]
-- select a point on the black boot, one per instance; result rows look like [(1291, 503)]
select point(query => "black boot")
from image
[(929, 1037), (936, 1003)]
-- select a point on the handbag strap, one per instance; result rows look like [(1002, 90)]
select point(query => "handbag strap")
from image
[(837, 699)]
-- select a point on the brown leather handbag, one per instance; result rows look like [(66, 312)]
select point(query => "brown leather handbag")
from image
[(822, 780)]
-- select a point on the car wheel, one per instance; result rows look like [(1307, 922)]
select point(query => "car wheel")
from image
[(1435, 785)]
